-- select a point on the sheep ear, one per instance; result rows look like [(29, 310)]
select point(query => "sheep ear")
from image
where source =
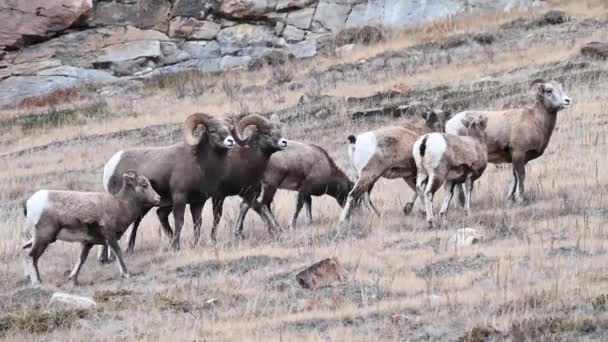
[(541, 88), (431, 117), (130, 177), (483, 122), (466, 122)]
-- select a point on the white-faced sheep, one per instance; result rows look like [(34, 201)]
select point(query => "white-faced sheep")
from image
[(305, 168), (449, 160), (517, 136), (245, 165), (387, 153), (185, 173), (90, 218)]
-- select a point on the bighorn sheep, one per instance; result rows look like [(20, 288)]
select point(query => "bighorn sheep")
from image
[(90, 218), (185, 173), (387, 153), (517, 136), (244, 167), (305, 168), (447, 159)]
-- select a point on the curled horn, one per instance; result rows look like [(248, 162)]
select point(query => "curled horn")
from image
[(190, 125), (537, 81), (252, 119)]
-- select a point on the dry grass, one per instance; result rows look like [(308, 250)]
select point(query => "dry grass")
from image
[(538, 275)]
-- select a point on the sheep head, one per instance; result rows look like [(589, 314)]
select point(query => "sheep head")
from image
[(476, 125), (199, 128), (140, 187), (551, 95), (266, 135), (435, 120)]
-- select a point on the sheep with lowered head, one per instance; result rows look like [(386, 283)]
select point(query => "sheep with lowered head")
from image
[(450, 160), (517, 136), (91, 218), (188, 172)]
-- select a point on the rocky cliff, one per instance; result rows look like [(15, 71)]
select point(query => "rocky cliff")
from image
[(51, 44)]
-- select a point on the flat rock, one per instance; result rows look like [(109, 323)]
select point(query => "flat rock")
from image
[(331, 15), (300, 18), (87, 75), (327, 272), (305, 49), (202, 49), (31, 68), (246, 8), (293, 34), (206, 30), (172, 54), (191, 8), (292, 4), (595, 50), (30, 21), (144, 14), (463, 238), (235, 62), (129, 50), (17, 88), (235, 38), (66, 299)]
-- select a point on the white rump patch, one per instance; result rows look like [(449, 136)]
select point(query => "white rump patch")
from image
[(109, 168), (455, 126), (35, 206), (364, 149), (435, 149)]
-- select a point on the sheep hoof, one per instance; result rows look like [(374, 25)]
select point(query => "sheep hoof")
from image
[(125, 276), (175, 245), (407, 208)]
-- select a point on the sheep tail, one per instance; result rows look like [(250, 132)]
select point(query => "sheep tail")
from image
[(423, 146), (352, 139), (24, 205)]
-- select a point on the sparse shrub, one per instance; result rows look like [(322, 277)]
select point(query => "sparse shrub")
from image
[(165, 302), (53, 98), (479, 334), (231, 87), (37, 321), (103, 296), (184, 83), (282, 74), (55, 117), (365, 35)]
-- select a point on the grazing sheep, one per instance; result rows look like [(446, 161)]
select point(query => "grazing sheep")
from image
[(245, 166), (387, 153), (185, 173), (449, 160), (305, 168), (517, 136), (91, 218)]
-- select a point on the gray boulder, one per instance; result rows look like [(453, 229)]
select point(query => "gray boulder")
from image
[(301, 18), (235, 38), (246, 8), (234, 62), (305, 49), (202, 49), (293, 34), (144, 14), (332, 15)]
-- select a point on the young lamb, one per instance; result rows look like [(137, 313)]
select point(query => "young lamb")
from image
[(185, 173), (308, 169), (91, 218), (387, 153), (449, 160), (518, 136), (244, 167)]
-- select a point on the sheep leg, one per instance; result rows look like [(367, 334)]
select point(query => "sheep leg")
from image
[(409, 206), (363, 184), (431, 187), (163, 217), (299, 204), (513, 186), (467, 194), (118, 253), (196, 211), (84, 253), (264, 210), (459, 191), (449, 193), (308, 207), (218, 209), (520, 168), (368, 201), (38, 248), (104, 256), (243, 209), (179, 208)]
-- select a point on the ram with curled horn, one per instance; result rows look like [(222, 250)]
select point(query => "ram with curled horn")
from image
[(244, 168), (184, 173)]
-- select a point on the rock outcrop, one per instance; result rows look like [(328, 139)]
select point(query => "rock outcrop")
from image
[(117, 38)]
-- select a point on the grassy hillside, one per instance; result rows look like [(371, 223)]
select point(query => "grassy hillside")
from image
[(539, 274)]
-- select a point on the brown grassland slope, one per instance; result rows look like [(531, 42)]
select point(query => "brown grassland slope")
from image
[(539, 274)]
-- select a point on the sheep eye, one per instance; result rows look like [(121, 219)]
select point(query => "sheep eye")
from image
[(549, 91)]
